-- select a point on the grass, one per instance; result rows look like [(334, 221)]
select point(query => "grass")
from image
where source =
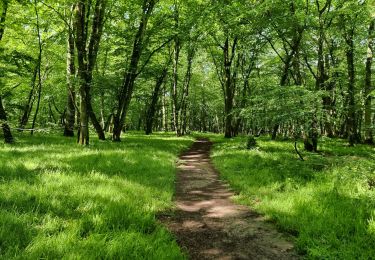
[(60, 200), (327, 201)]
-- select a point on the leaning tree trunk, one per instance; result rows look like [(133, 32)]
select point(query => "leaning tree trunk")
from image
[(30, 100), (131, 74), (95, 122)]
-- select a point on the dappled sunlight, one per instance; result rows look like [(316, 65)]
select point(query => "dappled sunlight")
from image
[(64, 199), (325, 201)]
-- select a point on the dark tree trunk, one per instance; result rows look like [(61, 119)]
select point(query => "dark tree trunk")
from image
[(87, 50), (154, 101), (39, 85), (185, 92), (131, 74), (30, 100), (8, 138), (229, 86), (95, 122), (6, 129), (368, 85), (351, 120)]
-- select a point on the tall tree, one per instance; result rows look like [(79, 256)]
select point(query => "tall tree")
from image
[(131, 74), (368, 84), (3, 116), (87, 45), (70, 79)]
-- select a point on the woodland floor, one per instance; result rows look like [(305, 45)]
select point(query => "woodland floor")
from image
[(208, 225)]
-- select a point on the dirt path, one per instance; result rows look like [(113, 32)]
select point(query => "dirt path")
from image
[(208, 225)]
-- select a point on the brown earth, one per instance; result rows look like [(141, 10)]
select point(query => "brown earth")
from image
[(208, 225)]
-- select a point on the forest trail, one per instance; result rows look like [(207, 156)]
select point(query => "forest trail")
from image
[(208, 225)]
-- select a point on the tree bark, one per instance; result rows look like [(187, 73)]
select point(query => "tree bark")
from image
[(30, 100), (131, 74), (87, 50), (229, 86), (39, 85), (71, 94), (351, 119), (154, 101), (368, 85), (8, 138)]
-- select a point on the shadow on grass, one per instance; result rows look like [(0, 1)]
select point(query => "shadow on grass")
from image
[(329, 225), (55, 196), (325, 201)]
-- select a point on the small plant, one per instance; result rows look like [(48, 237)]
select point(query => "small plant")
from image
[(251, 142)]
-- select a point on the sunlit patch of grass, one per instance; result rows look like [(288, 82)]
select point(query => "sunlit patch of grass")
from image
[(60, 200), (326, 201)]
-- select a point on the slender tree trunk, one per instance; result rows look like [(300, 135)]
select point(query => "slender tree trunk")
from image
[(154, 101), (175, 103), (368, 85), (30, 100), (39, 86), (87, 50), (131, 74), (185, 92), (165, 111), (351, 116), (71, 95), (84, 137)]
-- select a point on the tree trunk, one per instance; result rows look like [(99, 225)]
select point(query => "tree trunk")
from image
[(30, 100), (84, 137), (98, 128), (39, 86), (154, 101), (71, 95), (8, 138), (368, 85), (351, 116), (185, 92), (87, 50), (6, 129), (131, 74), (229, 87)]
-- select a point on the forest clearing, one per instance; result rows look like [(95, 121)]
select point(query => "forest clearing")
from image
[(187, 129)]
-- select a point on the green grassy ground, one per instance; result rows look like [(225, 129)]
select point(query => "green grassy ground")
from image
[(327, 201), (60, 200)]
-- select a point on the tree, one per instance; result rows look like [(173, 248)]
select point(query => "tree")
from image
[(3, 116), (368, 84), (87, 49), (127, 88)]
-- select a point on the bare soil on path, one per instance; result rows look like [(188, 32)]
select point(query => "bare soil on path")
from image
[(208, 225)]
